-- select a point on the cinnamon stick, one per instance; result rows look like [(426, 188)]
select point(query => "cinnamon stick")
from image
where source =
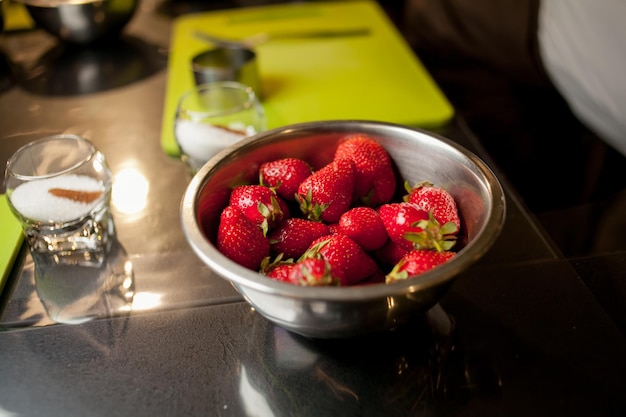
[(74, 195)]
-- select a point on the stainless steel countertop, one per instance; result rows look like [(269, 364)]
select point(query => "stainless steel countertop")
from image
[(518, 334)]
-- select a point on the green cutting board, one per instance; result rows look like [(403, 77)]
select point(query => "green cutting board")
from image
[(375, 76), (11, 238)]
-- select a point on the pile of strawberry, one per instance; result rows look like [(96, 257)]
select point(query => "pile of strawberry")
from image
[(338, 225)]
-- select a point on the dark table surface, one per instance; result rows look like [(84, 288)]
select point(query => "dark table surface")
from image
[(518, 334)]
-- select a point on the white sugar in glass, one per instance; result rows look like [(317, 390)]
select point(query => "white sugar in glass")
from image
[(214, 116), (49, 206)]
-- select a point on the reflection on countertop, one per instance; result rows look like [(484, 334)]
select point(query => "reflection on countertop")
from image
[(67, 70)]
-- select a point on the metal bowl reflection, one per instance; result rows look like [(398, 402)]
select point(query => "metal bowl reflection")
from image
[(332, 312), (81, 21)]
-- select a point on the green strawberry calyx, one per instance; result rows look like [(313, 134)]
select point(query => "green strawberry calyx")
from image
[(433, 235), (397, 273), (272, 215), (410, 189), (312, 278), (314, 251), (267, 263), (313, 211)]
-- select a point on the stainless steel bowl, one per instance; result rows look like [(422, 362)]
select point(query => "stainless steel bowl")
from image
[(1, 16), (81, 21), (337, 312)]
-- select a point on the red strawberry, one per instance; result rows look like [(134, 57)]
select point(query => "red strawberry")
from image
[(293, 236), (280, 272), (312, 272), (333, 228), (364, 226), (327, 193), (240, 239), (400, 219), (438, 201), (284, 175), (375, 178), (410, 227), (391, 253), (278, 269), (260, 204), (416, 262), (346, 257)]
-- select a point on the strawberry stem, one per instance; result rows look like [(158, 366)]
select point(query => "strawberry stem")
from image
[(433, 235)]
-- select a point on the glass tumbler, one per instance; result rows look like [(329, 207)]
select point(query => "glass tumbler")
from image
[(59, 187), (213, 116)]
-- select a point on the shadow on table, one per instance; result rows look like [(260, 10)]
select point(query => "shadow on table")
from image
[(7, 80)]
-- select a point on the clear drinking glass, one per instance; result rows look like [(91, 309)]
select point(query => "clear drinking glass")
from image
[(59, 187), (212, 117)]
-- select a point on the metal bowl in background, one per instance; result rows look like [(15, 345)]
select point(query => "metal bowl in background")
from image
[(1, 16), (81, 21), (338, 312)]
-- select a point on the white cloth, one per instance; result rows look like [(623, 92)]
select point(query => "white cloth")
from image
[(583, 46)]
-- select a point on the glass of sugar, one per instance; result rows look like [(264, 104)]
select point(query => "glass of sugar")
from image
[(213, 116), (59, 187)]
